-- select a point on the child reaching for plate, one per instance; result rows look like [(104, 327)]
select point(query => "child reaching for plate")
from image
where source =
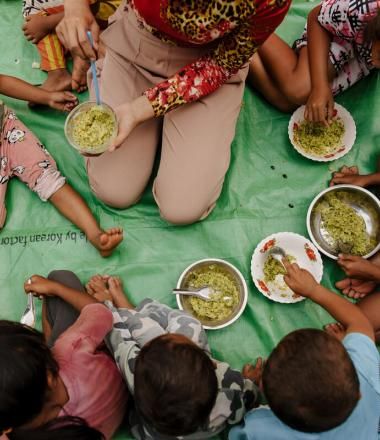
[(64, 373), (320, 384), (340, 45), (23, 156), (179, 390)]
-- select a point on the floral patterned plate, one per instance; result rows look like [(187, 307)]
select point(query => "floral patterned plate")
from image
[(296, 246), (347, 141)]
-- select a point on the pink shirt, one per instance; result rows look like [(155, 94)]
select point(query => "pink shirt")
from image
[(97, 392)]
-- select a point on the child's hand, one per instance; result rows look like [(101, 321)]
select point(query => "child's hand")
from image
[(349, 175), (320, 105), (254, 372), (299, 280), (63, 101), (38, 285), (358, 267)]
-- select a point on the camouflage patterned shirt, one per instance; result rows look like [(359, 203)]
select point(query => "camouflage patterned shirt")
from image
[(150, 319)]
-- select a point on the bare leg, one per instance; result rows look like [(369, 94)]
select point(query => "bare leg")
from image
[(370, 306), (74, 208), (46, 327), (259, 78), (289, 70), (79, 76)]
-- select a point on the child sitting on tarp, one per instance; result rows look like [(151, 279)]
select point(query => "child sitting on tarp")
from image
[(320, 385), (23, 156), (69, 374), (41, 19), (340, 45), (179, 390)]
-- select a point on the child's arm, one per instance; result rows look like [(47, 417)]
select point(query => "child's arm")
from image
[(41, 286), (349, 315), (358, 267), (320, 104), (362, 180), (19, 89)]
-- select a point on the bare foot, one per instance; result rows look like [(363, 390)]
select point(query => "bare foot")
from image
[(79, 76), (354, 288), (107, 241), (97, 287), (115, 287), (57, 81), (37, 26), (336, 330)]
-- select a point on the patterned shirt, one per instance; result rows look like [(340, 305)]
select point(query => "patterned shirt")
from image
[(346, 20), (134, 328), (234, 29)]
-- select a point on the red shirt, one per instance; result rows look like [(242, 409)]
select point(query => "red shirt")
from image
[(238, 27)]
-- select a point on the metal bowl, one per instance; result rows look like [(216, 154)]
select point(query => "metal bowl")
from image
[(70, 121), (364, 203), (183, 301)]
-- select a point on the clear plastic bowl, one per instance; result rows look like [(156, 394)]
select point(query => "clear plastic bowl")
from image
[(70, 121)]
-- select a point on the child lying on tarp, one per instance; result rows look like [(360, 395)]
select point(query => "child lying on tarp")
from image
[(67, 374), (23, 156), (179, 390), (320, 385)]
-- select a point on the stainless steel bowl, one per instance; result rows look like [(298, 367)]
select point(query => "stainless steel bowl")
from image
[(183, 301), (364, 203)]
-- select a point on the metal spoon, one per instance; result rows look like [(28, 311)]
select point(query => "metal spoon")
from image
[(278, 254), (29, 316)]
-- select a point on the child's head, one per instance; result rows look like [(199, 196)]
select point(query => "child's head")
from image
[(27, 368), (310, 381), (175, 385)]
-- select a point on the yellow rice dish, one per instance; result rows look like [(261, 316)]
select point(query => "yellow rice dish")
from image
[(345, 226), (224, 300), (92, 127), (318, 139)]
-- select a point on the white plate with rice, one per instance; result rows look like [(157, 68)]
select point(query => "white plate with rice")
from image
[(319, 143), (299, 250)]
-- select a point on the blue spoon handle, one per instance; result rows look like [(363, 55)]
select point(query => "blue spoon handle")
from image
[(93, 71)]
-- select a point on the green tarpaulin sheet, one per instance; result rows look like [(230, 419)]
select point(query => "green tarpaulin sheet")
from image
[(267, 189)]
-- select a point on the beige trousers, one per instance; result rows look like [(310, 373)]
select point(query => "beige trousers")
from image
[(196, 138)]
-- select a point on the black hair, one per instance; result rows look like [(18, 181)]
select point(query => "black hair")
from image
[(175, 385), (61, 428), (372, 29), (25, 361), (310, 381)]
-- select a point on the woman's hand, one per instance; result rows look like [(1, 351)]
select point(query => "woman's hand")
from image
[(40, 286), (320, 105), (63, 101), (299, 280), (130, 115), (72, 30), (358, 267)]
